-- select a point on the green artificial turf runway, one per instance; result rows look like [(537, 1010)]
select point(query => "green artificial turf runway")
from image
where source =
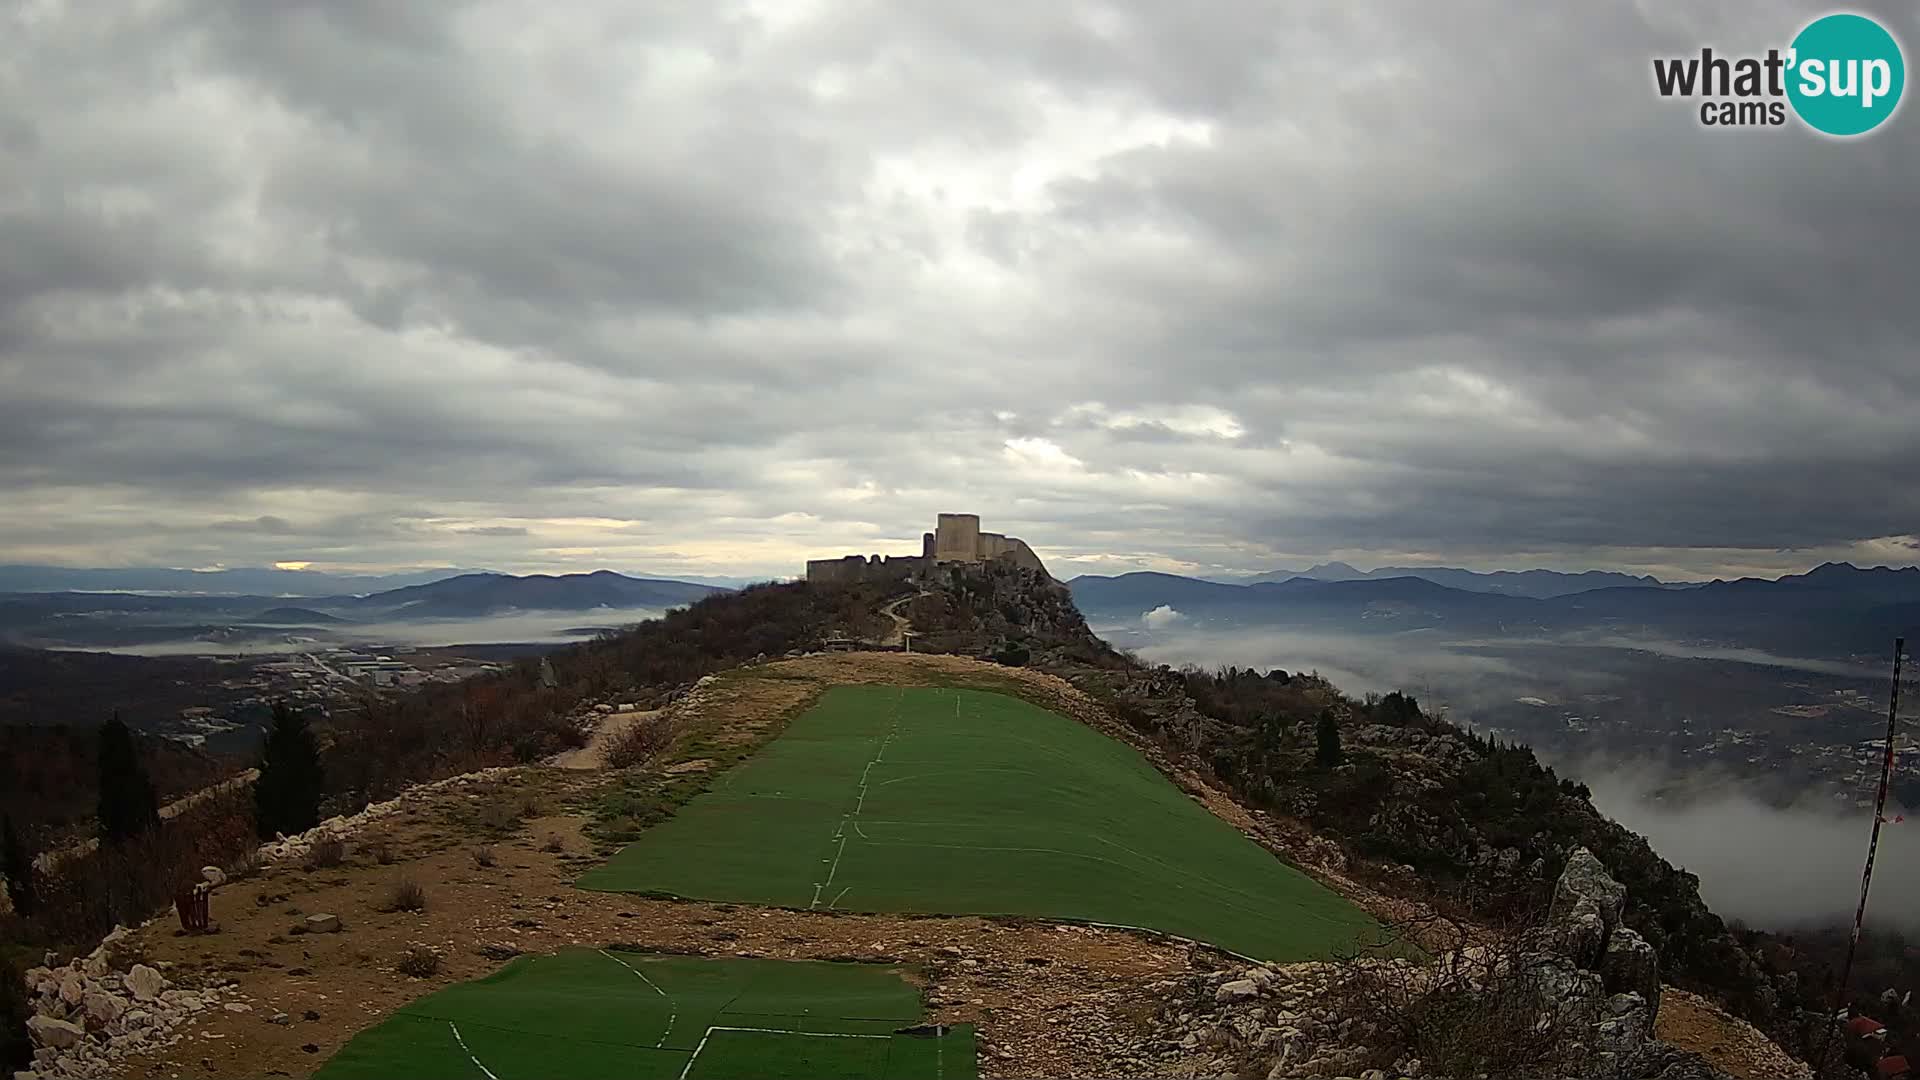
[(588, 1013), (888, 799)]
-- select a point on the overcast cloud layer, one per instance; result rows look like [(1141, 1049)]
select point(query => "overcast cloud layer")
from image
[(711, 287)]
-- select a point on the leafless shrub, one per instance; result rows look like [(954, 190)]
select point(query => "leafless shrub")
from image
[(419, 962), (405, 895), (641, 742), (326, 853), (482, 856), (382, 852), (498, 814), (554, 843), (245, 865), (1465, 1002)]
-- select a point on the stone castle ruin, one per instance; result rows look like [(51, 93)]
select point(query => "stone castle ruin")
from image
[(956, 538)]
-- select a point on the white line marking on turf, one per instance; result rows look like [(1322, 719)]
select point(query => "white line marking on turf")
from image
[(769, 1031), (673, 1009), (837, 899), (840, 833), (470, 1057), (834, 869)]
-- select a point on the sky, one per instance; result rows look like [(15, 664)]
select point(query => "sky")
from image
[(713, 288)]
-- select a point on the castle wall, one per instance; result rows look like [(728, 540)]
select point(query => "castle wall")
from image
[(853, 568), (1016, 551), (956, 538)]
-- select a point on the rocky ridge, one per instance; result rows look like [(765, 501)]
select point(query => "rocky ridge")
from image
[(1584, 984)]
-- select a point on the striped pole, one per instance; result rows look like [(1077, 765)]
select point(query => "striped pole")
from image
[(1873, 847)]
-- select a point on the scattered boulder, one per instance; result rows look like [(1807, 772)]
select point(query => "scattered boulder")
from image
[(73, 988), (1236, 990), (144, 983), (57, 1034), (104, 1008), (322, 924), (214, 876)]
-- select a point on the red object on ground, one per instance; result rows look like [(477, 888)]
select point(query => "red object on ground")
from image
[(1892, 1068), (1861, 1027)]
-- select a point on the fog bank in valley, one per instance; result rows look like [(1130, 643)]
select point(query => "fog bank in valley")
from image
[(1771, 866), (545, 627)]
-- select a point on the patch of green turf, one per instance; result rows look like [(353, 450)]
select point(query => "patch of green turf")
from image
[(588, 1013), (954, 801)]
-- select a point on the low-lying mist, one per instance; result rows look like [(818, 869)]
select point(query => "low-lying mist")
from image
[(1770, 865), (523, 626)]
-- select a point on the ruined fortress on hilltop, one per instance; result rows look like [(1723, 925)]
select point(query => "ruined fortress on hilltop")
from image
[(956, 538)]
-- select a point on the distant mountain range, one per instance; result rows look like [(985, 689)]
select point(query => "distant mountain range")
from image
[(1540, 584), (123, 618), (238, 581), (1834, 610), (470, 595)]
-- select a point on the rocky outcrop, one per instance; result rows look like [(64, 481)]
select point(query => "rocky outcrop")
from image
[(90, 1014), (1586, 922), (1583, 984), (1605, 978)]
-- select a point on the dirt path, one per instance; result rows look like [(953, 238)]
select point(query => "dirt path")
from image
[(612, 726), (898, 635)]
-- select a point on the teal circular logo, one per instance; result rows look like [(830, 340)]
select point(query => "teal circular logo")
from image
[(1846, 74)]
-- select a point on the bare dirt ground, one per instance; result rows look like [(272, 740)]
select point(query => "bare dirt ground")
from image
[(612, 726), (1691, 1022)]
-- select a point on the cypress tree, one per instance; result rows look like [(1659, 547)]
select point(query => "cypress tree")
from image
[(18, 866), (286, 798), (128, 804), (1327, 734)]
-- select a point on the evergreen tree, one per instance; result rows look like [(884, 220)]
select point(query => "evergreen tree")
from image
[(286, 798), (128, 804), (1327, 734), (17, 865)]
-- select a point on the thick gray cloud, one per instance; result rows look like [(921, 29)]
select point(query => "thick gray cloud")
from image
[(709, 288)]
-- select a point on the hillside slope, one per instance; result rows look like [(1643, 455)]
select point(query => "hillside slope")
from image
[(1418, 806)]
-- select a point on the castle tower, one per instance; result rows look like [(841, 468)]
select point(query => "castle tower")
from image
[(956, 538)]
